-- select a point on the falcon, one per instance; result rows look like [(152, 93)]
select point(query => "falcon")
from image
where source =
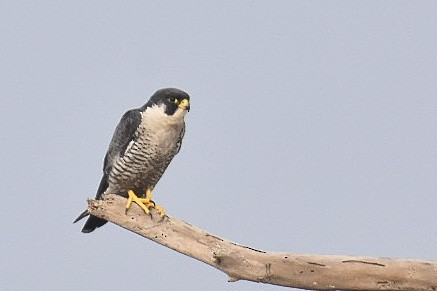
[(143, 145)]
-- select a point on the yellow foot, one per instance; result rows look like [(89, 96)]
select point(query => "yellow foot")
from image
[(144, 203)]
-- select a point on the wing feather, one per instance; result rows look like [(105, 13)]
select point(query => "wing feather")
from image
[(124, 133)]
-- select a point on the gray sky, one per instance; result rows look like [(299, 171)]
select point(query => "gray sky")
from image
[(313, 129)]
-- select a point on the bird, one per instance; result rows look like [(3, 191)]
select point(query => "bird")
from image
[(143, 144)]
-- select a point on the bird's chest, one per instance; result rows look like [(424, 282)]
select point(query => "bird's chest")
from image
[(154, 145), (146, 158), (158, 141)]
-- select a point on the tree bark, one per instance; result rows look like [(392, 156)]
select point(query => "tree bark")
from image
[(312, 272)]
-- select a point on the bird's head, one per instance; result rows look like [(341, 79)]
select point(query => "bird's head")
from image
[(172, 101)]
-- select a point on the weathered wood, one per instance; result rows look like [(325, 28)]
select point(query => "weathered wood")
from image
[(312, 272)]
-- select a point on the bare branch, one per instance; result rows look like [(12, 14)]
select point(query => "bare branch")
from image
[(312, 272)]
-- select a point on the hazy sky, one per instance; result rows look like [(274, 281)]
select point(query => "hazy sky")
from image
[(313, 129)]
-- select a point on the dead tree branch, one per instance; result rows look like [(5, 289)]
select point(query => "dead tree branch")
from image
[(312, 272)]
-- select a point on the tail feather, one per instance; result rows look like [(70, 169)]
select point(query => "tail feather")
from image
[(92, 223), (82, 215)]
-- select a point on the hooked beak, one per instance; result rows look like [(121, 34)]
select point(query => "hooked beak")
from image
[(184, 104)]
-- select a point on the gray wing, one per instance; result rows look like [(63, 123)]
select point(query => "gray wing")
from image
[(123, 135)]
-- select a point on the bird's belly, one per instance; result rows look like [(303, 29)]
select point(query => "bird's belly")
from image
[(131, 176), (140, 168)]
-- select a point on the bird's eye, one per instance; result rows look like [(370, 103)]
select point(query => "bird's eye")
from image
[(173, 100)]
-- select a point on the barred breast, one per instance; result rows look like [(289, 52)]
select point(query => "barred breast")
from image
[(155, 144)]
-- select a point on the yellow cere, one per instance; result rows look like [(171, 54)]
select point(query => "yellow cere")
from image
[(184, 104)]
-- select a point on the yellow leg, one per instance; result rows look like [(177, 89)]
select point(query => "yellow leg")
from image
[(144, 203)]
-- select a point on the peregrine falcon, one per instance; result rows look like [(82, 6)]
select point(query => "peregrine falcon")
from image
[(144, 143)]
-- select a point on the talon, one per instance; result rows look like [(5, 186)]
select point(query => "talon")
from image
[(160, 210), (152, 204), (144, 203)]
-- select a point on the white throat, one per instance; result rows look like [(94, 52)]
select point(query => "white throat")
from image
[(155, 117)]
